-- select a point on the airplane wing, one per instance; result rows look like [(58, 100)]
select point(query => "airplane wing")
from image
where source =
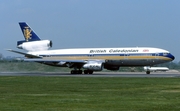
[(35, 58), (66, 63), (62, 61), (26, 55), (54, 60)]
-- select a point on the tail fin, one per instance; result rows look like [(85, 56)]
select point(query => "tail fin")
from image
[(28, 33)]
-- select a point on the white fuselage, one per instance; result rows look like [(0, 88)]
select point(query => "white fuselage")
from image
[(133, 56)]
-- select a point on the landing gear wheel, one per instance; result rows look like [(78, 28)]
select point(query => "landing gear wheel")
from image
[(85, 71), (76, 71), (88, 72), (147, 72)]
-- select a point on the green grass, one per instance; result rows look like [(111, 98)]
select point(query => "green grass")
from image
[(15, 66), (89, 94), (29, 67)]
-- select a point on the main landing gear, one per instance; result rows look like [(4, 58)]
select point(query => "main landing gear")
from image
[(147, 72), (80, 72), (88, 72), (76, 71)]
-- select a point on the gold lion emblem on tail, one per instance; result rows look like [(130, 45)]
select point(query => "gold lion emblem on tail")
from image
[(27, 33)]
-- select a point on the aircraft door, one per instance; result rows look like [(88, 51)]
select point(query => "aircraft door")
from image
[(157, 55), (126, 56), (90, 56)]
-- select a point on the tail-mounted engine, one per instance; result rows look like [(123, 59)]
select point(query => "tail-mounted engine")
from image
[(34, 45)]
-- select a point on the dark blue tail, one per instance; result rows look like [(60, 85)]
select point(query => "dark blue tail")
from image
[(28, 33)]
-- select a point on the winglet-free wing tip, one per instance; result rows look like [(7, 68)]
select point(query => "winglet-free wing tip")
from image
[(8, 49)]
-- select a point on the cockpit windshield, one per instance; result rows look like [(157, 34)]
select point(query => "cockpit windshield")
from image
[(165, 54)]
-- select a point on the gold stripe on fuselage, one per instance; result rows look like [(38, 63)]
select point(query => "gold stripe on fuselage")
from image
[(105, 57)]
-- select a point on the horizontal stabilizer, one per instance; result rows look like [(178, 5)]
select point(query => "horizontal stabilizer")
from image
[(26, 55)]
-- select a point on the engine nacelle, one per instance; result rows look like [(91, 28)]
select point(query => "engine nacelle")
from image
[(35, 45), (146, 68), (95, 66)]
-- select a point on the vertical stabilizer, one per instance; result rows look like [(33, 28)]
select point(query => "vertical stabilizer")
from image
[(28, 33)]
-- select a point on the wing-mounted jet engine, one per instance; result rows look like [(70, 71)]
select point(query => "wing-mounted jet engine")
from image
[(94, 66)]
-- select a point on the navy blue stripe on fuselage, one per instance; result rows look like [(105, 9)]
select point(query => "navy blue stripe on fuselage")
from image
[(168, 55)]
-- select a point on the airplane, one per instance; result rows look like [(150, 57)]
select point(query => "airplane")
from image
[(155, 69), (89, 59)]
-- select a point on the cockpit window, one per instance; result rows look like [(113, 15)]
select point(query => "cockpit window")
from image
[(165, 54)]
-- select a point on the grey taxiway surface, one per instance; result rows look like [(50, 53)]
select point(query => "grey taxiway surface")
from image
[(96, 74)]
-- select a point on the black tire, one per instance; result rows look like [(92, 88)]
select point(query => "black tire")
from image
[(72, 71), (80, 72), (85, 71), (148, 72), (90, 72)]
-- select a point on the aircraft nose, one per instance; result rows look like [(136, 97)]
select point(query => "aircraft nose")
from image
[(172, 57)]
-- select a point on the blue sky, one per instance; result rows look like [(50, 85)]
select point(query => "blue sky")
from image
[(93, 23)]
